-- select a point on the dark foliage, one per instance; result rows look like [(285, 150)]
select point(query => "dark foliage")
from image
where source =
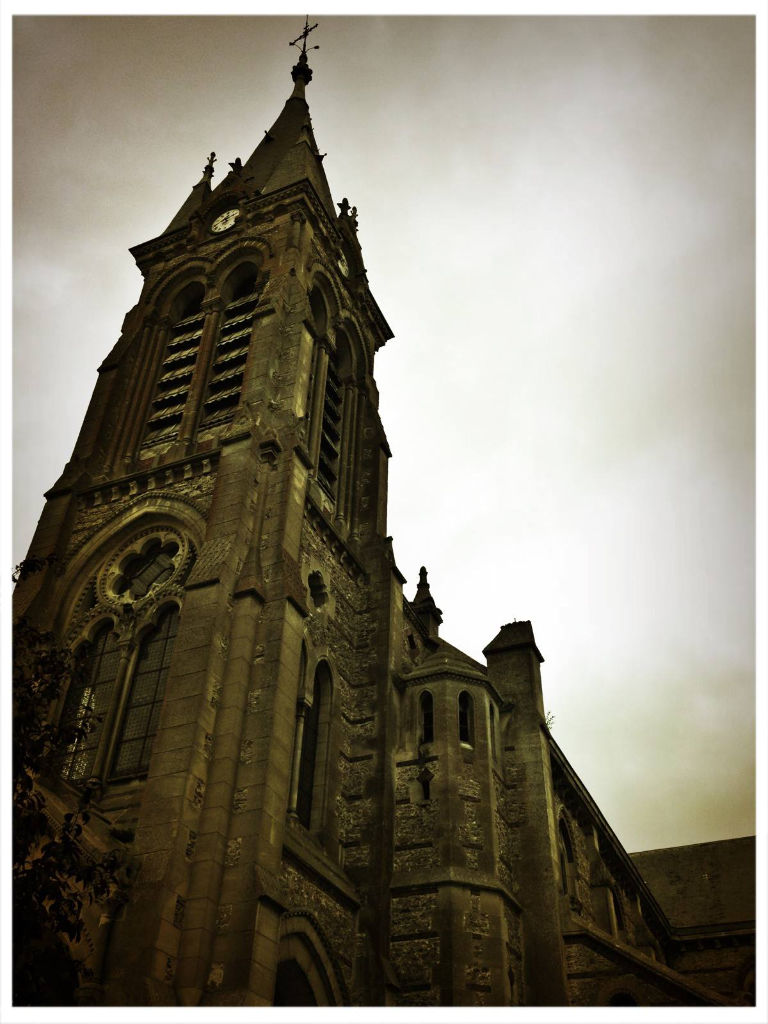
[(53, 877)]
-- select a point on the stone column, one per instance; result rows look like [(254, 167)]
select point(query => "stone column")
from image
[(347, 453), (301, 710), (354, 507), (196, 396), (154, 341)]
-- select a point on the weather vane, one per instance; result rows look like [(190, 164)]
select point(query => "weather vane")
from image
[(303, 36)]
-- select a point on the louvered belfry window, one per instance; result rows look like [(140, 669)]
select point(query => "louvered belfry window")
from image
[(176, 374), (330, 437), (87, 702), (229, 358), (146, 697)]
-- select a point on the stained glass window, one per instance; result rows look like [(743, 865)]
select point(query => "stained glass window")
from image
[(87, 702), (146, 697)]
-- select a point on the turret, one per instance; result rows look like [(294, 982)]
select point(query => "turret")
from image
[(424, 605), (513, 665)]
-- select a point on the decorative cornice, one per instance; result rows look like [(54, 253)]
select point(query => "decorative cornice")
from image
[(155, 479)]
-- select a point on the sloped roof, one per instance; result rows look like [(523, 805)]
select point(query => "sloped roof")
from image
[(288, 153), (447, 658), (193, 202), (703, 884)]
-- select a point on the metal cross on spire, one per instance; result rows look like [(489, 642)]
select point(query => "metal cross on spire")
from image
[(307, 29)]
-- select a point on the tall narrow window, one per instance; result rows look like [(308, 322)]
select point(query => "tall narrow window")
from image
[(565, 851), (427, 715), (226, 380), (493, 729), (617, 914), (330, 437), (310, 798), (88, 701), (146, 697), (466, 716), (308, 758), (177, 369)]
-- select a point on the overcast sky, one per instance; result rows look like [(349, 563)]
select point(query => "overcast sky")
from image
[(557, 218)]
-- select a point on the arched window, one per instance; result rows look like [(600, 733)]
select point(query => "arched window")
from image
[(145, 699), (87, 702), (466, 719), (319, 310), (121, 677), (565, 850), (178, 366), (427, 716), (314, 752), (226, 378)]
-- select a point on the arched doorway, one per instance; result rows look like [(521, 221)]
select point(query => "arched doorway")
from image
[(292, 987), (622, 999), (306, 974)]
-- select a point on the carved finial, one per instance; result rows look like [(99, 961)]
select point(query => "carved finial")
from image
[(302, 69), (208, 169), (344, 206), (425, 607), (237, 165)]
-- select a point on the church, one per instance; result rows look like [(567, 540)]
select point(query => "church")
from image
[(318, 800)]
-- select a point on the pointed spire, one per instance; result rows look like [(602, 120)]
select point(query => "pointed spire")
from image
[(288, 153), (196, 197), (424, 605)]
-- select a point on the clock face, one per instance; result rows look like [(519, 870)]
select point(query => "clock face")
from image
[(225, 220)]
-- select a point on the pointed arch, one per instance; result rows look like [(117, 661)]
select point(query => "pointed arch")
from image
[(321, 282), (134, 572), (359, 355), (318, 308), (303, 944), (163, 293)]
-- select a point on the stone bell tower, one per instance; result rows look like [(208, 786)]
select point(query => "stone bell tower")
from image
[(222, 568)]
